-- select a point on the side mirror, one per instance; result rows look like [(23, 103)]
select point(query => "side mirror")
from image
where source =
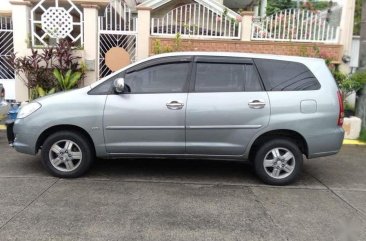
[(119, 85)]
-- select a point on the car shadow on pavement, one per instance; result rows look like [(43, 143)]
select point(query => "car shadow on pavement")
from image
[(198, 171), (187, 170)]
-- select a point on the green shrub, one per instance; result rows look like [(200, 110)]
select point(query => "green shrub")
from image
[(362, 135), (349, 83)]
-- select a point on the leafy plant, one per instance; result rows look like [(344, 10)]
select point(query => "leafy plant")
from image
[(363, 135), (278, 5), (358, 16), (36, 70), (359, 77), (177, 42), (67, 81), (159, 48), (349, 83), (40, 92)]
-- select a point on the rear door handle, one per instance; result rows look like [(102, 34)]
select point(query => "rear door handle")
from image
[(174, 105), (256, 104)]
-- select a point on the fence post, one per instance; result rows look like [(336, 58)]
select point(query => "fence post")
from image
[(246, 25), (90, 12), (143, 28), (263, 8), (346, 26), (21, 33)]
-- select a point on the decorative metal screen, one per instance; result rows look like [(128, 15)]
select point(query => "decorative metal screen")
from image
[(109, 42), (117, 38), (6, 48), (51, 21)]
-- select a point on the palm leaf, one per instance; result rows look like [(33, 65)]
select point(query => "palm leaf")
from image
[(75, 77), (51, 91), (41, 92)]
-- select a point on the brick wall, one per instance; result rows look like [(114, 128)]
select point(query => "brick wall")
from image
[(331, 51)]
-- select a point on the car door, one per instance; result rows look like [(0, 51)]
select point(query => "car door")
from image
[(149, 117), (226, 106)]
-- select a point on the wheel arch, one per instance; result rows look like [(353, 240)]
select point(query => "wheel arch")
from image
[(284, 133), (57, 128)]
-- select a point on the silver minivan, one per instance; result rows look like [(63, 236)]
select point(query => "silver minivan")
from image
[(271, 110)]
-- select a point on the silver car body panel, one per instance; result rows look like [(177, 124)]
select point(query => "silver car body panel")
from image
[(142, 123), (209, 125), (223, 123), (72, 108)]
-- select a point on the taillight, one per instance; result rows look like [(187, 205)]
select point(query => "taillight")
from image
[(341, 109)]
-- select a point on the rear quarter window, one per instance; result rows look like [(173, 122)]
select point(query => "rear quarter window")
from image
[(278, 75)]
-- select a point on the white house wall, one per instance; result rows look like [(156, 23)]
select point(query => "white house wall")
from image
[(5, 5)]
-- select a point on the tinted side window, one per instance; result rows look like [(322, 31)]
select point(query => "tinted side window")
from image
[(226, 77), (252, 81), (104, 88), (164, 78), (280, 75)]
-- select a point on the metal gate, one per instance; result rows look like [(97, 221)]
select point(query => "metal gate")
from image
[(117, 37), (7, 73)]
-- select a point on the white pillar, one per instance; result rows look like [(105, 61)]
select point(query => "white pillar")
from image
[(346, 26), (246, 26), (143, 28), (256, 10), (21, 32), (263, 7), (90, 54)]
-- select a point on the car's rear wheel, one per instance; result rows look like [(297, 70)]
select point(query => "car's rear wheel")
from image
[(67, 154), (278, 162)]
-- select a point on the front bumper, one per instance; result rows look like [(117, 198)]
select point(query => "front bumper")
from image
[(10, 131), (25, 140)]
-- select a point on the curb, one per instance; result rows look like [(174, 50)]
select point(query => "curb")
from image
[(353, 142)]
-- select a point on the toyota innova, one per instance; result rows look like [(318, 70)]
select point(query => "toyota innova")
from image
[(271, 110)]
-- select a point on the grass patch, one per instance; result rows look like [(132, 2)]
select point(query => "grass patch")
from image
[(362, 135)]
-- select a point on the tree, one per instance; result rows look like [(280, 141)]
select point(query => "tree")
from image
[(278, 5), (363, 38), (361, 102), (358, 12)]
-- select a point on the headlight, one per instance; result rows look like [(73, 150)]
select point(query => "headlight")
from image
[(28, 109)]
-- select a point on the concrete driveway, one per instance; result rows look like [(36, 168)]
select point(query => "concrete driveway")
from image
[(182, 200)]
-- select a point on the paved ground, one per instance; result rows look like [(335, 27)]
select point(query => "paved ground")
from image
[(182, 200)]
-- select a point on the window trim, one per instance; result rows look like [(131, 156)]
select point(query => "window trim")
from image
[(186, 84), (222, 60), (154, 62)]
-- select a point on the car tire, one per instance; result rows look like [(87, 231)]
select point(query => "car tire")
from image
[(278, 162), (67, 154)]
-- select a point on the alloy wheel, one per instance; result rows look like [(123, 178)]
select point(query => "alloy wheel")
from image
[(65, 155), (279, 163)]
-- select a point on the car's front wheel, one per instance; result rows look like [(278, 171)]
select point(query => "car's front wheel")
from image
[(278, 162), (67, 154)]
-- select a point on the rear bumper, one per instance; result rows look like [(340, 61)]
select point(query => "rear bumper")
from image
[(325, 143)]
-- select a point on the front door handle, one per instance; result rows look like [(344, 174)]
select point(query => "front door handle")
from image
[(174, 105), (256, 104)]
